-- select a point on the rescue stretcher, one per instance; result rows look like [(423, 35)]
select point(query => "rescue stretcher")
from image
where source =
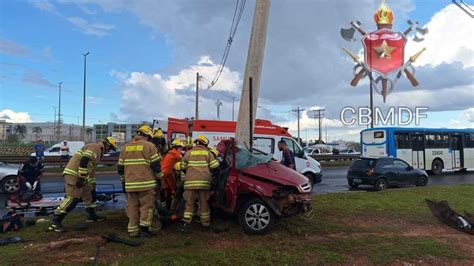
[(42, 206)]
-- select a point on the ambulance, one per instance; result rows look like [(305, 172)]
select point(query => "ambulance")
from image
[(266, 137)]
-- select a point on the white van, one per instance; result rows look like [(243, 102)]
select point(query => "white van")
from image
[(266, 139), (55, 150)]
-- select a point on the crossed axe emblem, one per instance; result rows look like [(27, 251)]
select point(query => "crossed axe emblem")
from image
[(383, 84)]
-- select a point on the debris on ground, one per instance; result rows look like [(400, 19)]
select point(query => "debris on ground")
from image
[(443, 212)]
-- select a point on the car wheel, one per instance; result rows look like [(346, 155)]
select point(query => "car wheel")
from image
[(422, 181), (10, 185), (256, 218), (311, 178), (437, 167), (381, 184)]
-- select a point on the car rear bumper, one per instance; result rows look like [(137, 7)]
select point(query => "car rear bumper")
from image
[(362, 180)]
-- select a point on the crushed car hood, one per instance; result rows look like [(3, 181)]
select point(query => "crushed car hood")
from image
[(276, 172)]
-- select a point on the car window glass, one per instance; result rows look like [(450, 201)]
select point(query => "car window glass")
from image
[(55, 149), (264, 144), (400, 164), (384, 163)]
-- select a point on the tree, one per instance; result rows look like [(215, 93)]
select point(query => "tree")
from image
[(38, 131), (20, 131)]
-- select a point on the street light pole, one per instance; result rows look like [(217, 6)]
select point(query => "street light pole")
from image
[(59, 111), (84, 99)]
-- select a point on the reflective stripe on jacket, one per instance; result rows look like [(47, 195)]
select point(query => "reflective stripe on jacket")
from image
[(198, 162), (94, 152), (137, 157)]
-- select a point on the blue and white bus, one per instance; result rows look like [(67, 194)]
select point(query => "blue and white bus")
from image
[(425, 148)]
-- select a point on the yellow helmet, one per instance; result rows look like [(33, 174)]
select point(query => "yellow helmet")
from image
[(201, 139), (111, 142), (188, 142), (146, 131), (177, 143), (213, 150), (158, 133), (177, 166)]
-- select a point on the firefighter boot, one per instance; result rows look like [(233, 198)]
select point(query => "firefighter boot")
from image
[(145, 232), (56, 224), (93, 217)]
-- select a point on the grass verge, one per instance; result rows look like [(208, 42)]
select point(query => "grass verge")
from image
[(376, 228)]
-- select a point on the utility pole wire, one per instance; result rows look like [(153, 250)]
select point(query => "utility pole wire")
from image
[(239, 9)]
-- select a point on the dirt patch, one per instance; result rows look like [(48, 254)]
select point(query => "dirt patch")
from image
[(62, 244)]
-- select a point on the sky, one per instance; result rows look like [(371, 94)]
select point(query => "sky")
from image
[(144, 55)]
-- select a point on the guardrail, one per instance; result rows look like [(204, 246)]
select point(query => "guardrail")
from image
[(335, 157), (56, 160), (51, 160)]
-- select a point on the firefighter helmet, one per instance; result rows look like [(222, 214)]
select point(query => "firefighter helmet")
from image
[(177, 166), (111, 142), (202, 139), (145, 130), (213, 150), (177, 143), (188, 143), (158, 133)]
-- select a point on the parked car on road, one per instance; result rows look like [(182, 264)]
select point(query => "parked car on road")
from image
[(55, 150), (383, 173), (8, 178)]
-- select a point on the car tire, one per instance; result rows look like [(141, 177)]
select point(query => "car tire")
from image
[(256, 217), (9, 185), (437, 167), (312, 178), (422, 181), (381, 184)]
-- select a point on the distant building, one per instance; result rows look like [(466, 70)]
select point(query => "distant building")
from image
[(47, 131), (122, 132)]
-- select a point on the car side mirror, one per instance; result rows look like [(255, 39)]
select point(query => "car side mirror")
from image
[(409, 168)]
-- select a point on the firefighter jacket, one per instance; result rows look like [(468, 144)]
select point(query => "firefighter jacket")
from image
[(171, 158), (139, 165), (197, 163), (83, 162)]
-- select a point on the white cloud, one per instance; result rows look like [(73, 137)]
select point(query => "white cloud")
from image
[(12, 48), (469, 114), (147, 96), (14, 117), (97, 29), (450, 39), (94, 100)]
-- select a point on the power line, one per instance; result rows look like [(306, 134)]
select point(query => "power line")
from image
[(239, 9)]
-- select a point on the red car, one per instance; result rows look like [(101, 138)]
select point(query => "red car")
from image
[(258, 189)]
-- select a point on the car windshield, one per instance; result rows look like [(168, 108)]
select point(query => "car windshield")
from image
[(246, 159)]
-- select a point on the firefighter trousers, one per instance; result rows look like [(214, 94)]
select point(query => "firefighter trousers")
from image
[(139, 209), (75, 194), (190, 197)]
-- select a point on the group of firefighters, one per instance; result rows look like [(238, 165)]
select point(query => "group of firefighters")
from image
[(149, 169)]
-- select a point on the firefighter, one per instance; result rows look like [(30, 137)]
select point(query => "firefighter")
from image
[(169, 178), (198, 162), (80, 182), (160, 141), (140, 172), (188, 144)]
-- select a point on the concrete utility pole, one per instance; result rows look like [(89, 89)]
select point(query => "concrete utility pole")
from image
[(253, 69), (218, 105), (54, 126), (298, 110), (233, 106), (59, 111), (319, 114), (83, 132), (196, 116)]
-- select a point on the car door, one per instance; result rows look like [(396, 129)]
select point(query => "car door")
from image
[(385, 168), (405, 175)]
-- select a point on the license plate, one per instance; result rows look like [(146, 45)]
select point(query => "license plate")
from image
[(357, 180)]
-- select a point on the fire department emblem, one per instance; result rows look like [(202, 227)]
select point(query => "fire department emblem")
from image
[(384, 52)]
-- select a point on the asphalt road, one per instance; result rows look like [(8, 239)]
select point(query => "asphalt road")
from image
[(334, 180)]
